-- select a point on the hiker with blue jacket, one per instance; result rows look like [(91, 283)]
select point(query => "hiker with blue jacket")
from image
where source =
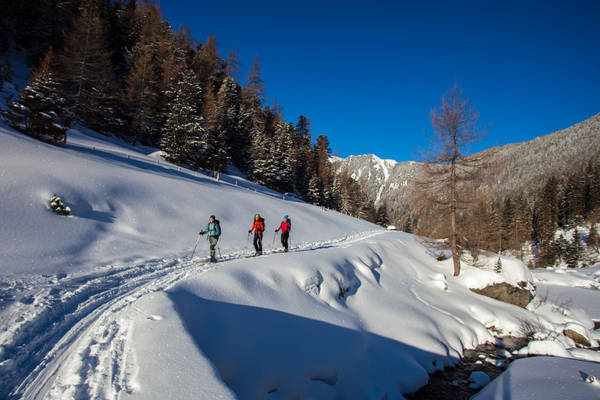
[(213, 229)]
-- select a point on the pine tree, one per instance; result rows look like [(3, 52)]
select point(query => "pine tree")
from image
[(143, 81), (209, 66), (255, 82), (231, 123), (304, 153), (508, 224), (38, 25), (124, 26), (40, 112), (593, 239), (574, 251), (592, 188), (214, 146), (522, 231), (84, 65), (547, 219), (284, 160), (183, 130), (233, 65), (264, 171), (323, 167), (494, 230), (315, 191)]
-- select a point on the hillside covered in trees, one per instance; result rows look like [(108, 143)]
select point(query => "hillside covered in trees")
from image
[(527, 198), (119, 68)]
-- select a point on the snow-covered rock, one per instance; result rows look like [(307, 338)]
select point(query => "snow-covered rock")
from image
[(548, 378), (478, 379)]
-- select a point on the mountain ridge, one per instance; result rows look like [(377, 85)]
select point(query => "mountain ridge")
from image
[(510, 166)]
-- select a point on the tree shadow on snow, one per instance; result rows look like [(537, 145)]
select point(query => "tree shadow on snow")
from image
[(147, 165), (264, 353)]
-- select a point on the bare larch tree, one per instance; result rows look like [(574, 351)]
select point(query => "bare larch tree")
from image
[(446, 169)]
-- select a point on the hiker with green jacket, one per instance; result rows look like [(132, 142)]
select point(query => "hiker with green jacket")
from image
[(213, 229)]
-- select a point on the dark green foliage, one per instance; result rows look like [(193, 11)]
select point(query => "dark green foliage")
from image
[(183, 130), (57, 205), (574, 251), (593, 239), (120, 69), (40, 111)]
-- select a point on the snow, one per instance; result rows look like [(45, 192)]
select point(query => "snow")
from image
[(125, 207), (548, 378), (107, 303), (478, 379)]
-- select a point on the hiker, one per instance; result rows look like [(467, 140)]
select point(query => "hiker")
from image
[(285, 227), (258, 227), (213, 229)]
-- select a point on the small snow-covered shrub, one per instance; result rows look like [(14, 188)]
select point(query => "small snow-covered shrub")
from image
[(58, 206)]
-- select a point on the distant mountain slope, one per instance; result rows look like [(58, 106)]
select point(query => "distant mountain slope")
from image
[(385, 181), (523, 166), (513, 167)]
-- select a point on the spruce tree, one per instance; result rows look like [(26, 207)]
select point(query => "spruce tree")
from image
[(508, 225), (183, 130), (214, 155), (231, 123), (574, 251), (593, 239), (40, 112), (547, 219), (315, 191), (303, 145)]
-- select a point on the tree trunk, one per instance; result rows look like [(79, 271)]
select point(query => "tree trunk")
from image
[(453, 206)]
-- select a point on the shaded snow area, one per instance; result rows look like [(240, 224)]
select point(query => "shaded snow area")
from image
[(108, 304), (548, 378)]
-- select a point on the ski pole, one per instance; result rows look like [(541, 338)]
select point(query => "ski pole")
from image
[(219, 250), (196, 245), (274, 236)]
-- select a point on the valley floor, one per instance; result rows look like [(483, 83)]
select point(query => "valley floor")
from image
[(363, 316)]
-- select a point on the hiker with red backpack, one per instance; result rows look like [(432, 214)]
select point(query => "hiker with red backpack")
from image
[(258, 227), (285, 227)]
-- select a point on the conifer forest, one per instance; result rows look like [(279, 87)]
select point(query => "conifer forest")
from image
[(119, 68)]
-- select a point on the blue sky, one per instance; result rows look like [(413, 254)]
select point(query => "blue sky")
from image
[(368, 73)]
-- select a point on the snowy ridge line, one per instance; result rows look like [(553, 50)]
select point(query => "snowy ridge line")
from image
[(55, 313), (223, 178)]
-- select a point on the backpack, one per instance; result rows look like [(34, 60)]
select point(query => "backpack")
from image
[(218, 224), (289, 222), (262, 221)]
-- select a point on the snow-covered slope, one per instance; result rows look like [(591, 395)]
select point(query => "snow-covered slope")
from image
[(108, 304), (126, 206)]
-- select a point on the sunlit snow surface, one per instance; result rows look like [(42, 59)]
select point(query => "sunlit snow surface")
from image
[(108, 304)]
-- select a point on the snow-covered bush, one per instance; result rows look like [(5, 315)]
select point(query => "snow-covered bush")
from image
[(58, 206)]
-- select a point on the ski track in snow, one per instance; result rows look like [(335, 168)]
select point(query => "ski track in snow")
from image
[(66, 336)]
